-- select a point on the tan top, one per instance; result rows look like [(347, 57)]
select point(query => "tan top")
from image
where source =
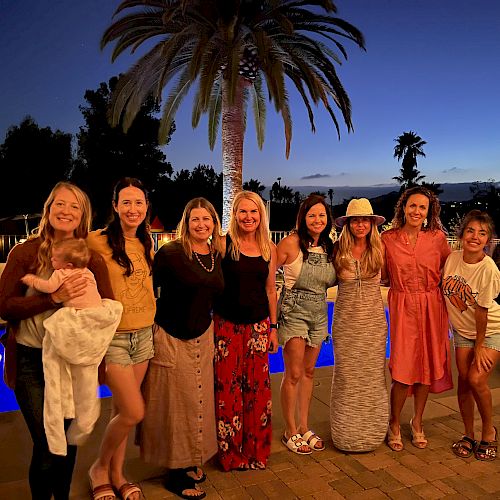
[(135, 292)]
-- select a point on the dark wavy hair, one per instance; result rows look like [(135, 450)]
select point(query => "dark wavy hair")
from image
[(305, 238), (114, 231), (433, 221), (477, 215)]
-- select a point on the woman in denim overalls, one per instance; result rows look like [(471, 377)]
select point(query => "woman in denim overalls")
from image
[(306, 256)]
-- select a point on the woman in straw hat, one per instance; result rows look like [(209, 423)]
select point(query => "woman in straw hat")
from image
[(306, 256), (416, 250), (359, 405)]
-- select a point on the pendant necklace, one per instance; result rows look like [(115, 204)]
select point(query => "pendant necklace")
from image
[(203, 265)]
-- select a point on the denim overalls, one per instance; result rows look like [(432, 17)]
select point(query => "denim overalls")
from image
[(303, 311)]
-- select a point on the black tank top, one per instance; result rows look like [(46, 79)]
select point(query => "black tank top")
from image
[(244, 299)]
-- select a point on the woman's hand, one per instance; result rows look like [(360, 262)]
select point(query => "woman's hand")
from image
[(73, 287), (482, 359), (273, 341)]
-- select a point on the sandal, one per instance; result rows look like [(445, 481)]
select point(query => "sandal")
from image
[(127, 489), (101, 491), (394, 441), (486, 451), (294, 443), (464, 447), (258, 465), (177, 482), (418, 439), (312, 439), (196, 470)]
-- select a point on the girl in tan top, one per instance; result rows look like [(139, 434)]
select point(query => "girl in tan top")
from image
[(127, 248)]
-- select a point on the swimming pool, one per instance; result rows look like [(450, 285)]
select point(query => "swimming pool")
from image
[(325, 358)]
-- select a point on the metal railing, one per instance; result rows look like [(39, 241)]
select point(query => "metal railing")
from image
[(7, 241)]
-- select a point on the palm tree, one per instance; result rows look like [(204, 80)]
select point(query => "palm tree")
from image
[(409, 146), (330, 196), (254, 185), (231, 47)]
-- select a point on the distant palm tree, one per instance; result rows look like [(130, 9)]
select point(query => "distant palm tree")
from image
[(255, 186), (409, 147), (231, 47), (330, 196)]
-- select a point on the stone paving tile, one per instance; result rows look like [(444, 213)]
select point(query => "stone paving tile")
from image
[(349, 465), (468, 489), (290, 475), (405, 475), (443, 487), (428, 491), (368, 479), (431, 472), (315, 470), (346, 486), (251, 477), (375, 462), (388, 483), (275, 467), (371, 494), (404, 494), (277, 489), (308, 486), (323, 495), (329, 466), (490, 483), (235, 494)]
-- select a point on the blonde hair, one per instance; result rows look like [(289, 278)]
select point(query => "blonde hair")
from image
[(46, 232), (262, 234), (183, 236), (372, 258), (73, 251)]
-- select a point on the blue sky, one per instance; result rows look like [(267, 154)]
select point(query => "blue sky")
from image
[(431, 66)]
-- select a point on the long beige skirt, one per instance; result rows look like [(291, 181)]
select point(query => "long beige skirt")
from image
[(179, 425)]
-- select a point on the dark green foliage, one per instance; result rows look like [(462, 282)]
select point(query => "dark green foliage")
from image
[(32, 161), (105, 154), (172, 194)]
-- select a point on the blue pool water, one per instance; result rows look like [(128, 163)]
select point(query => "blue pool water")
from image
[(325, 358)]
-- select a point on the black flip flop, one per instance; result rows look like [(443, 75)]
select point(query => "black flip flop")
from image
[(177, 482)]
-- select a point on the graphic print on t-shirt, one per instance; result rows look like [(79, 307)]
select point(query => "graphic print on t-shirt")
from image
[(135, 290), (459, 292)]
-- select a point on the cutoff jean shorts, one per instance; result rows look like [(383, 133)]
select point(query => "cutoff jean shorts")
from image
[(131, 348), (303, 315), (491, 342)]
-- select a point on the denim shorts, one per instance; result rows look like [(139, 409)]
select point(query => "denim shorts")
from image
[(131, 348), (303, 315), (491, 342)]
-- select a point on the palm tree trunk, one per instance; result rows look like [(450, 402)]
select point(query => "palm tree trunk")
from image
[(233, 132)]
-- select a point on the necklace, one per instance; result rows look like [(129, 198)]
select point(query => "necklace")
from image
[(203, 265)]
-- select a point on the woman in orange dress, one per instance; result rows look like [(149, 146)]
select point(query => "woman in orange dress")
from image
[(416, 250)]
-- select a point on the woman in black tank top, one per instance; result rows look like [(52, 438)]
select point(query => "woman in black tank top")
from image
[(245, 331)]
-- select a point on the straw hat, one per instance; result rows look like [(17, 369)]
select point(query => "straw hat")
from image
[(359, 207)]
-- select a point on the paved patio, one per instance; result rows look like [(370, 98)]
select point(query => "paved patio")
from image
[(432, 473)]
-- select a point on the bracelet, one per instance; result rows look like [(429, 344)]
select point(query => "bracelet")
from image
[(274, 325)]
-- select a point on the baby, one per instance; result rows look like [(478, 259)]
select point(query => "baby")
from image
[(68, 257), (76, 339)]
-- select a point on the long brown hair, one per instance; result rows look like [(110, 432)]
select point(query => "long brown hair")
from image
[(114, 232)]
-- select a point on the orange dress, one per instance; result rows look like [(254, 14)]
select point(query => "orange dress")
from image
[(420, 347)]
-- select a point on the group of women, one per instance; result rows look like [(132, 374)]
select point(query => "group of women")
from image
[(216, 318)]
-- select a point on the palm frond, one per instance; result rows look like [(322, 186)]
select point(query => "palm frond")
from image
[(259, 110)]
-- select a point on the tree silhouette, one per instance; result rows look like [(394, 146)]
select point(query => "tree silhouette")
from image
[(230, 48), (32, 161), (330, 196), (408, 148), (255, 186), (106, 154)]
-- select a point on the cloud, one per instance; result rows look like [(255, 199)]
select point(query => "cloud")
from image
[(454, 170), (316, 176)]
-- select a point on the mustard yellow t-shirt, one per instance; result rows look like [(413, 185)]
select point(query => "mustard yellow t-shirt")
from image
[(135, 292)]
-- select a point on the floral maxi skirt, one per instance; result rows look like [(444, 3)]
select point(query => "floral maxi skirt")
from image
[(242, 394)]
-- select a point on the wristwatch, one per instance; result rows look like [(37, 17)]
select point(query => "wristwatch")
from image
[(274, 325)]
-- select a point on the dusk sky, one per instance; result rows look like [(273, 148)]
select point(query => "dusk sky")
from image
[(431, 66)]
